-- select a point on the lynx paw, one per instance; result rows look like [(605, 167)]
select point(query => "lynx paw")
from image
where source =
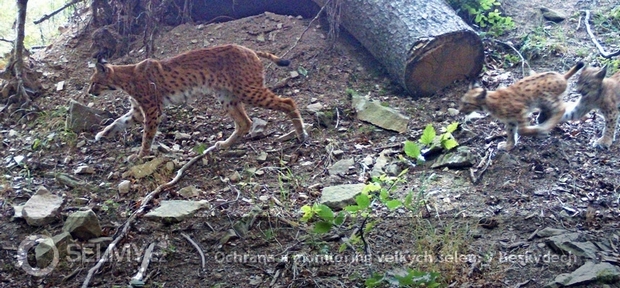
[(602, 143), (99, 136), (504, 146)]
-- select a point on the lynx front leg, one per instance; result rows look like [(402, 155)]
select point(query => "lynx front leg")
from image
[(511, 138), (151, 122), (120, 124), (609, 131)]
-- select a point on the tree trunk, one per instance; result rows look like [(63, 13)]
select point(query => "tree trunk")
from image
[(423, 44)]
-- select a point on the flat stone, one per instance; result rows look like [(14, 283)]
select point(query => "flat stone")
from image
[(341, 167), (379, 115), (42, 207), (173, 211), (340, 196), (83, 225)]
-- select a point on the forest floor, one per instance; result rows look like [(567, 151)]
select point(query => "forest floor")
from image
[(559, 181)]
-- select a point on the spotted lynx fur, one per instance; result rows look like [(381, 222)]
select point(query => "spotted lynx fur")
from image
[(513, 104), (234, 73), (603, 94)]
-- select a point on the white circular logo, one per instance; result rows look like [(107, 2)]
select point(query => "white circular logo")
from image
[(22, 255)]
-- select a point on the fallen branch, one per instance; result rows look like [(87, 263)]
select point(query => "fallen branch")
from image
[(147, 199), (600, 48), (145, 264), (48, 16), (523, 61), (202, 254)]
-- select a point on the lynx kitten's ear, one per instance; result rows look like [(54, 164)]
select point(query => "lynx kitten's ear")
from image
[(482, 95), (601, 74)]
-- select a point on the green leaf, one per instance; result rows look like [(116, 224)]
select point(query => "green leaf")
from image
[(450, 143), (412, 149), (409, 199), (342, 248), (393, 204), (363, 201), (371, 187), (339, 218), (325, 212), (352, 208), (322, 227), (307, 210), (452, 127), (428, 135), (374, 281), (383, 195)]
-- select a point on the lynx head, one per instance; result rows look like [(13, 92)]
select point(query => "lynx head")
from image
[(473, 100), (590, 81), (102, 79)]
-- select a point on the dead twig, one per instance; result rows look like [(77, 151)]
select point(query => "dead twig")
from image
[(481, 167), (145, 263), (202, 254), (48, 16), (147, 199), (600, 48), (523, 61)]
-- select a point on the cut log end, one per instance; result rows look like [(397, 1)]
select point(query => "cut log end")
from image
[(437, 62)]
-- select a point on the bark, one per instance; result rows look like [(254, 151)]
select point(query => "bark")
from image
[(423, 44)]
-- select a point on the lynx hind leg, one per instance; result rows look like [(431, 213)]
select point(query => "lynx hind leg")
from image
[(242, 122), (134, 115), (511, 138), (609, 131), (272, 101)]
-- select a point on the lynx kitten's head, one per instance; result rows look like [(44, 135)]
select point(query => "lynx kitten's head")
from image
[(590, 81), (101, 80), (472, 100)]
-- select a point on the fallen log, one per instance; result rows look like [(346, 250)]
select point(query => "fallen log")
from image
[(423, 44)]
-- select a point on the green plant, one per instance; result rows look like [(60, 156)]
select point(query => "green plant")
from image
[(413, 277), (485, 14), (430, 139), (613, 65)]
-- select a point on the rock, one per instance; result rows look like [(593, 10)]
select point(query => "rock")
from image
[(294, 74), (337, 153), (552, 15), (124, 186), (380, 163), (172, 211), (84, 169), (453, 112), (588, 273), (83, 225), (461, 158), (340, 196), (570, 243), (393, 169), (258, 128), (81, 118), (379, 115), (341, 167), (182, 136), (315, 107), (143, 170), (68, 180), (325, 119), (41, 208), (262, 157), (189, 191), (17, 211), (44, 252)]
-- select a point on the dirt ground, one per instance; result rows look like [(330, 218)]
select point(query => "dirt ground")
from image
[(558, 181)]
